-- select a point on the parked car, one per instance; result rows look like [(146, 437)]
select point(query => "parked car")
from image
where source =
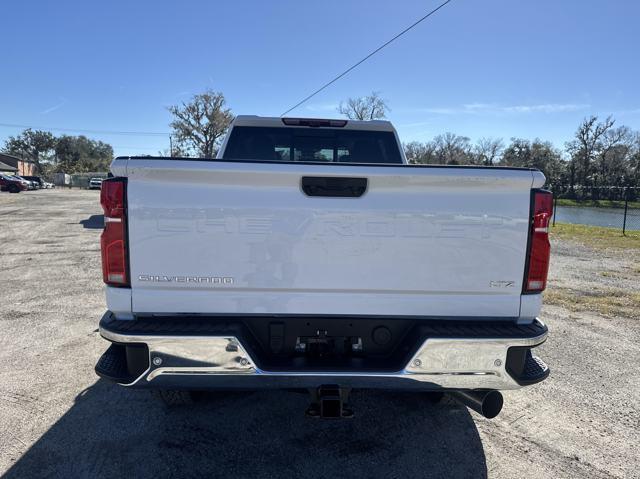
[(40, 183), (309, 254), (31, 185), (95, 183), (12, 184)]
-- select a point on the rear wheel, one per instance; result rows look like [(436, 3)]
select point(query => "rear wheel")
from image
[(173, 398), (14, 189)]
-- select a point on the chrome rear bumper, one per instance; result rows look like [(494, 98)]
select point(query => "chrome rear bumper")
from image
[(196, 361)]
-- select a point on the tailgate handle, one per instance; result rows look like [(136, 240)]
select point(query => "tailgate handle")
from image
[(334, 187)]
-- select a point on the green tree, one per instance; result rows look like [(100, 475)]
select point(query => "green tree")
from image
[(79, 154), (535, 154), (36, 145), (199, 125)]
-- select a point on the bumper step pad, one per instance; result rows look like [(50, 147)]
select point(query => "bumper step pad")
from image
[(189, 325), (112, 365), (535, 370)]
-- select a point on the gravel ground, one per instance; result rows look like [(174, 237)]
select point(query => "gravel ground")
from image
[(58, 419)]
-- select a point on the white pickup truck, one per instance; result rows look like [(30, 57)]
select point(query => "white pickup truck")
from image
[(309, 254)]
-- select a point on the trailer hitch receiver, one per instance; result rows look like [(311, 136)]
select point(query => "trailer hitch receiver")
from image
[(329, 401)]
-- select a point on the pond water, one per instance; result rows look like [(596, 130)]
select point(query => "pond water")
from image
[(611, 217)]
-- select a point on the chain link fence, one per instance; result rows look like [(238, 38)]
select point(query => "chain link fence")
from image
[(80, 180), (607, 206)]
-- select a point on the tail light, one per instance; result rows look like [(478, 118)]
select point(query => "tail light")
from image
[(113, 241), (539, 247)]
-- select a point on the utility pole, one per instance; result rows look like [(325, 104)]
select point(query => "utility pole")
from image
[(170, 145)]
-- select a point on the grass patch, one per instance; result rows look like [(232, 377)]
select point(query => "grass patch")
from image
[(596, 236), (604, 302), (597, 203)]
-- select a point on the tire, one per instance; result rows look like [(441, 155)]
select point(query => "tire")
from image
[(14, 189), (174, 398)]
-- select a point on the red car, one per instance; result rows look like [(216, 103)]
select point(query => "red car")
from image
[(11, 184)]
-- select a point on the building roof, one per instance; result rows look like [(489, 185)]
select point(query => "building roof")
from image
[(14, 158), (5, 167)]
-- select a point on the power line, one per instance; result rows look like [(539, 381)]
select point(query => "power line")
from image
[(367, 57), (121, 147), (78, 130)]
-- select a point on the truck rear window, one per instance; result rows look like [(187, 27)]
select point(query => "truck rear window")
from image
[(319, 145)]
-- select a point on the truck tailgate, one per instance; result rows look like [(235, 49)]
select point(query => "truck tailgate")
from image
[(224, 237)]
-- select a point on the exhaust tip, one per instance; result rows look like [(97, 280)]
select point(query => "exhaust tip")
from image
[(487, 403), (492, 404)]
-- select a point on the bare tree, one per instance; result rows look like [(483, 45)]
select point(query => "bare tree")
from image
[(634, 161), (419, 153), (614, 148), (599, 155), (452, 149), (488, 150), (584, 147), (199, 124), (371, 107)]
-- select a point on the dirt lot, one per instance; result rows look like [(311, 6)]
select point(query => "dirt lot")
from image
[(58, 419)]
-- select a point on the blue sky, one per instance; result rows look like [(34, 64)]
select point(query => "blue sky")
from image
[(478, 68)]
